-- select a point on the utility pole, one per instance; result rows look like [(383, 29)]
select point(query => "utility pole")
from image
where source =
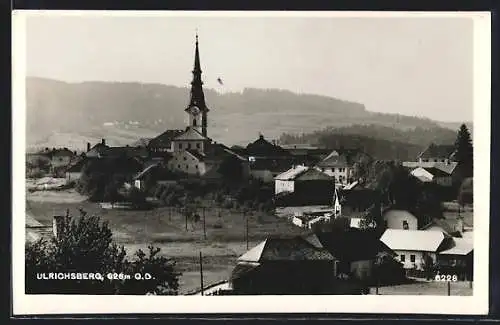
[(201, 274), (246, 221), (204, 225)]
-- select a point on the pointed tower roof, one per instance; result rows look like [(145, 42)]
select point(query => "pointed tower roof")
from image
[(197, 97)]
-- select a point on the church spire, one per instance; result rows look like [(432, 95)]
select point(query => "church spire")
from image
[(197, 97)]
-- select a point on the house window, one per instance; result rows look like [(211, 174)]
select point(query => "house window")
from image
[(187, 166), (180, 145), (198, 146), (412, 258), (189, 145), (405, 225), (402, 258), (185, 158), (196, 166), (179, 166)]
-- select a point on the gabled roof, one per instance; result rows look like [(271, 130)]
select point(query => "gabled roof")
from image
[(445, 167), (263, 148), (302, 173), (413, 240), (164, 139), (460, 246), (96, 150), (435, 172), (353, 244), (445, 225), (334, 159), (292, 173), (439, 151), (285, 249), (271, 164), (124, 151), (190, 134)]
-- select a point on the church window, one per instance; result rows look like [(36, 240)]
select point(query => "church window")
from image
[(194, 122)]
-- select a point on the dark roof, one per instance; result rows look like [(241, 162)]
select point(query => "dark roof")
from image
[(76, 166), (448, 225), (274, 165), (242, 268), (165, 139), (285, 249), (434, 150), (196, 154), (436, 172), (125, 151), (263, 148), (353, 244)]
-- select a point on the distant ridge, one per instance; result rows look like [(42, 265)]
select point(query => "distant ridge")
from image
[(126, 112)]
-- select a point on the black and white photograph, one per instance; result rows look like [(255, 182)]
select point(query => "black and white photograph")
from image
[(299, 161)]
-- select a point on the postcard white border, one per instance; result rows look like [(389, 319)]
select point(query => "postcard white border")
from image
[(62, 304)]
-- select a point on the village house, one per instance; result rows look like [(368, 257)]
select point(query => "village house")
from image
[(356, 251), (432, 174), (437, 153), (414, 246), (266, 159), (450, 227), (306, 154), (302, 185), (74, 170), (356, 200), (457, 259), (280, 266), (340, 164), (399, 219)]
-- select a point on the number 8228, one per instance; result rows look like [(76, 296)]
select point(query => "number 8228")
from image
[(446, 277)]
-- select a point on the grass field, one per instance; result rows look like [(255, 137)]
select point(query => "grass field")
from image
[(166, 228)]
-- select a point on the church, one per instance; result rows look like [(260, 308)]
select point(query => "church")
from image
[(191, 151)]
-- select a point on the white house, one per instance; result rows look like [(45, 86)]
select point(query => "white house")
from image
[(412, 246), (337, 166), (400, 219), (285, 182)]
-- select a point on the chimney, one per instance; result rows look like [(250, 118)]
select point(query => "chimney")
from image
[(103, 141), (88, 146)]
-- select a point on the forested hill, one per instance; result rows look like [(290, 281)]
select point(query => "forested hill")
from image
[(68, 114), (379, 141)]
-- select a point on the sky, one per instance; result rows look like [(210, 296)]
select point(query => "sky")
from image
[(417, 66)]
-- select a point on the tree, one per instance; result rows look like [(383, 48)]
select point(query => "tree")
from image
[(231, 169), (85, 246), (464, 153)]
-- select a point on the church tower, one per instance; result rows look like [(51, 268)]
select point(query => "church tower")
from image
[(197, 109)]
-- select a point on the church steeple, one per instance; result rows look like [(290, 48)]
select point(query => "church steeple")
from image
[(197, 104)]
